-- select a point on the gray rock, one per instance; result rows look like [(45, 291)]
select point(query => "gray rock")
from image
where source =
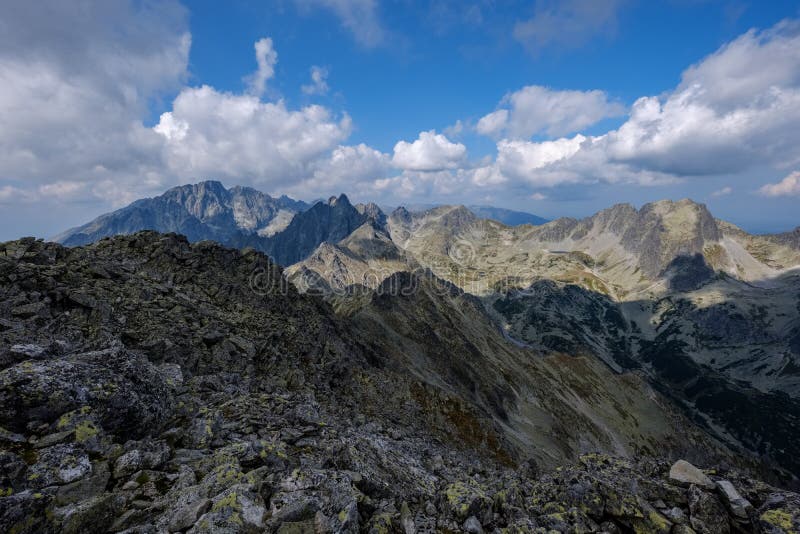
[(200, 211), (12, 473), (10, 438), (92, 515), (472, 525), (609, 528), (406, 519), (58, 465), (24, 512), (236, 509), (685, 473), (140, 456), (28, 350), (172, 374), (187, 511), (676, 515), (85, 488), (707, 514), (124, 390), (740, 506)]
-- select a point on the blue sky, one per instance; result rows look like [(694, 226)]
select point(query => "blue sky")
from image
[(434, 69), (557, 108)]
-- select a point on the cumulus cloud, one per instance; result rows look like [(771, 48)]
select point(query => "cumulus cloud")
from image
[(540, 110), (789, 186), (736, 109), (210, 133), (493, 123), (429, 152), (75, 84), (522, 160), (360, 17), (319, 82), (73, 99), (424, 184), (354, 169), (567, 23), (739, 106), (266, 58)]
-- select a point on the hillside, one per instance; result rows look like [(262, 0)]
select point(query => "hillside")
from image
[(148, 382)]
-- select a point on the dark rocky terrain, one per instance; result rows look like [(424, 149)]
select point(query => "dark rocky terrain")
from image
[(153, 385)]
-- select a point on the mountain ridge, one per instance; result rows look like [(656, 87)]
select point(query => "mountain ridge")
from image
[(150, 383), (206, 210)]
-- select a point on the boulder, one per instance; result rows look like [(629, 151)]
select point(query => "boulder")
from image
[(58, 465), (472, 525), (738, 505), (141, 456), (126, 393), (685, 474), (238, 509)]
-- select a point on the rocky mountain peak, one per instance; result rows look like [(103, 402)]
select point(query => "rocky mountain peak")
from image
[(331, 222), (458, 217), (401, 214), (374, 213), (340, 200), (205, 210), (658, 232), (204, 200)]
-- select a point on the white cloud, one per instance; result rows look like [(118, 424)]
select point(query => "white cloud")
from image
[(454, 130), (72, 102), (267, 58), (75, 84), (535, 163), (737, 109), (354, 169), (538, 196), (488, 176), (727, 190), (539, 110), (397, 186), (789, 186), (751, 65), (430, 152), (319, 82), (567, 23), (493, 123), (243, 139), (62, 189), (360, 17), (12, 195)]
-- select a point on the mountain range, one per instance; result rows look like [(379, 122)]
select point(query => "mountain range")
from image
[(295, 368)]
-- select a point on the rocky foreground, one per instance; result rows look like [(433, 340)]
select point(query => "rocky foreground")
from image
[(150, 385)]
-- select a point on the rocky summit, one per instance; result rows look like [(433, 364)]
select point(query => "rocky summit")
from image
[(150, 384)]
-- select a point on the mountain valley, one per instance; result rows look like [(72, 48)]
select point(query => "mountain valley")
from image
[(332, 368)]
